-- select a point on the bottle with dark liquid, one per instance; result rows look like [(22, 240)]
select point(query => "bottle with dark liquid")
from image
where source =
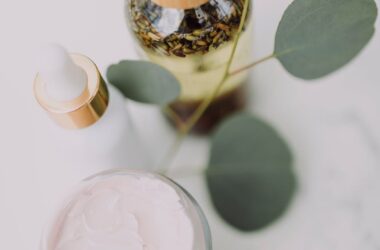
[(193, 39)]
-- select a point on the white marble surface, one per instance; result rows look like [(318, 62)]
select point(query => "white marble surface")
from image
[(332, 125)]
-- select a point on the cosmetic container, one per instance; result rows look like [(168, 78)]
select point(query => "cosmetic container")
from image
[(92, 126), (194, 39), (109, 186)]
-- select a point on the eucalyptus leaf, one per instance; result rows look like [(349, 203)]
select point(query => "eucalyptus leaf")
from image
[(250, 174), (144, 82), (317, 37)]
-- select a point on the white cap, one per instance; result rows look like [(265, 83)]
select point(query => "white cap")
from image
[(63, 79)]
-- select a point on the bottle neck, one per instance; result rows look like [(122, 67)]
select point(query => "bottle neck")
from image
[(180, 4)]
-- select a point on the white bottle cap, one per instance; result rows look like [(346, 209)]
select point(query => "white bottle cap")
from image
[(64, 80)]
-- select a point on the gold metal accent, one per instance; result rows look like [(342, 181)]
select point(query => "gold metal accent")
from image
[(180, 4), (83, 111)]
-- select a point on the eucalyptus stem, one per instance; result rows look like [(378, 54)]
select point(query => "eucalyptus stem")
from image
[(251, 65), (175, 117), (194, 118)]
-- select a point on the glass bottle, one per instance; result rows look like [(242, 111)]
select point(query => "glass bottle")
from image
[(81, 201), (193, 39)]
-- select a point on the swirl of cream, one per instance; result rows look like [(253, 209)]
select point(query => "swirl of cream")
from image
[(125, 212)]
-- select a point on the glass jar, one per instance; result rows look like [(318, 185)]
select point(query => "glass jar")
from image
[(193, 39), (74, 215)]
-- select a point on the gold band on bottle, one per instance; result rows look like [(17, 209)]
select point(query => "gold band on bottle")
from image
[(86, 109), (180, 4)]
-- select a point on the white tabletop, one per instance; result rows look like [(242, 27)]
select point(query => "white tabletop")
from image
[(332, 125)]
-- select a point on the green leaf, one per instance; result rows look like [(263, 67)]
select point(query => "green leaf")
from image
[(144, 82), (250, 174), (317, 37)]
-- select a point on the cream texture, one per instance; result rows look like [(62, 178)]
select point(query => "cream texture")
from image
[(124, 212)]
